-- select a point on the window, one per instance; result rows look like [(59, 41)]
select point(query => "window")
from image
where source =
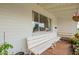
[(43, 23), (40, 22), (77, 25)]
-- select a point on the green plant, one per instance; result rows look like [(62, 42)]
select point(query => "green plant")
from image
[(4, 48), (74, 41), (76, 50), (77, 35)]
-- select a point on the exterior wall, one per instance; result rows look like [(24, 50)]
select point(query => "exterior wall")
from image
[(65, 22), (16, 22)]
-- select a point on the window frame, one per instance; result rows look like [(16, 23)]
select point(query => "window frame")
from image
[(48, 19)]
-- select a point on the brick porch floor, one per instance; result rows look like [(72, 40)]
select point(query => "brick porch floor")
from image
[(62, 48)]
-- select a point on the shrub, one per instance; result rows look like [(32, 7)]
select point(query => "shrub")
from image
[(74, 41), (4, 48)]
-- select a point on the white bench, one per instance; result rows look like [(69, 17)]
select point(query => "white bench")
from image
[(39, 43)]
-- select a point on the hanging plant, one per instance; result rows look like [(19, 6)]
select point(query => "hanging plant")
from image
[(76, 16)]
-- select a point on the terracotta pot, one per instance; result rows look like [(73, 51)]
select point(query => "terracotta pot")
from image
[(75, 18)]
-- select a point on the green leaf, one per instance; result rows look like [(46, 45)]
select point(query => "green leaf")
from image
[(4, 48)]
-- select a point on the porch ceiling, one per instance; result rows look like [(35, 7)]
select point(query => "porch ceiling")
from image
[(58, 7), (60, 10)]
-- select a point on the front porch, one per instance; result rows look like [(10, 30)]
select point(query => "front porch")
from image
[(34, 28)]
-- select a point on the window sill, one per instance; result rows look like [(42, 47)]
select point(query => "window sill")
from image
[(41, 33)]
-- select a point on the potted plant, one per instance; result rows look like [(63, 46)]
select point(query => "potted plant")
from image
[(77, 35), (75, 44), (4, 48)]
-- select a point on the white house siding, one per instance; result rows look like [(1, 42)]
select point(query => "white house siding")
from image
[(65, 23), (16, 22)]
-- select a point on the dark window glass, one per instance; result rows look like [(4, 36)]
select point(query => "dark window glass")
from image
[(35, 21), (43, 23)]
